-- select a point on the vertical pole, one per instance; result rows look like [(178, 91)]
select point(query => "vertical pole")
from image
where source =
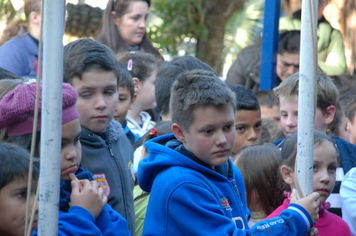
[(268, 76), (51, 122), (307, 93)]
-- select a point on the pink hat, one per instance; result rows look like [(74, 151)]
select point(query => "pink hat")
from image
[(17, 108)]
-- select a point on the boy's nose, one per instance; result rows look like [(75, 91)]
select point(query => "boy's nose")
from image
[(291, 121), (221, 138), (252, 135), (100, 103)]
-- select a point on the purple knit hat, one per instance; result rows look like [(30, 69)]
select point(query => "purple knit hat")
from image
[(17, 108)]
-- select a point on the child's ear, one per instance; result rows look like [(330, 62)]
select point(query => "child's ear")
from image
[(35, 18), (178, 132), (330, 114), (133, 99), (137, 84), (287, 174), (348, 125)]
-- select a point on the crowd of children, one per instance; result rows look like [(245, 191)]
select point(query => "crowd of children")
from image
[(168, 148)]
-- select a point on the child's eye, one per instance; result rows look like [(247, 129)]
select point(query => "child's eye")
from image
[(122, 99), (284, 115), (228, 127), (315, 167), (109, 92), (258, 126), (77, 140), (22, 194), (208, 131), (240, 128), (85, 95), (332, 169)]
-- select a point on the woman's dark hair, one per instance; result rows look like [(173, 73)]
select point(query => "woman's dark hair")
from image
[(109, 35)]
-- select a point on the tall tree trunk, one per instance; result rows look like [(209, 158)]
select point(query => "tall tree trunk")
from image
[(210, 45)]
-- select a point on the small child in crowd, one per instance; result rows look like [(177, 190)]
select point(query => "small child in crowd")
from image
[(263, 192), (82, 207), (194, 187), (247, 118), (94, 72), (127, 98), (141, 197), (14, 171), (143, 68), (269, 104), (325, 160), (326, 105), (348, 103)]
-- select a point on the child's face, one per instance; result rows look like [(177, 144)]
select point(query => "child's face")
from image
[(289, 115), (351, 128), (71, 152), (97, 99), (124, 104), (13, 207), (271, 112), (146, 98), (248, 129), (325, 164), (343, 129), (211, 136)]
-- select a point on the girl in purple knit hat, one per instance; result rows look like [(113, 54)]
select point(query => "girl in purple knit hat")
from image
[(82, 207)]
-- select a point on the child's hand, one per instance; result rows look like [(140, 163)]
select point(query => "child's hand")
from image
[(88, 195), (310, 203)]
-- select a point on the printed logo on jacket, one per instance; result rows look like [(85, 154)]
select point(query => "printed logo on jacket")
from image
[(103, 183)]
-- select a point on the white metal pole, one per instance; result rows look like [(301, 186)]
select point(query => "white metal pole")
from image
[(307, 92), (53, 29)]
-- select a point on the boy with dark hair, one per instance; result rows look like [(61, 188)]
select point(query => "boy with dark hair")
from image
[(246, 69), (127, 98), (348, 103), (269, 104), (195, 189), (168, 73), (14, 170), (247, 118), (288, 92), (93, 70)]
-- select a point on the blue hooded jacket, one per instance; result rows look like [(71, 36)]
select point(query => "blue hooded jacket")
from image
[(76, 220), (190, 198)]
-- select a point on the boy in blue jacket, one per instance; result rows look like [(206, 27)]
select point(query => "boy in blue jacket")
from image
[(195, 189)]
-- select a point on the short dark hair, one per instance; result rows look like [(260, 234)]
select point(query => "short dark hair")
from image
[(267, 98), (245, 98), (15, 163), (191, 63), (85, 54), (167, 74), (143, 64), (195, 89), (126, 80), (289, 42), (348, 104)]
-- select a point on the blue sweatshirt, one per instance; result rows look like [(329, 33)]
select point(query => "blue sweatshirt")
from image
[(19, 56), (76, 220), (190, 198)]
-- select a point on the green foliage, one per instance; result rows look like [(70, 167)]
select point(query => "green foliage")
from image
[(6, 10), (244, 27), (174, 22)]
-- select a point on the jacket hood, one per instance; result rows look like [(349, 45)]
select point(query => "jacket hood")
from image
[(166, 151)]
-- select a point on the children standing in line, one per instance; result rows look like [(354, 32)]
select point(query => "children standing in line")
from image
[(194, 187), (143, 68), (325, 160), (263, 192), (287, 92), (14, 168), (93, 70), (127, 98), (82, 207), (247, 118)]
